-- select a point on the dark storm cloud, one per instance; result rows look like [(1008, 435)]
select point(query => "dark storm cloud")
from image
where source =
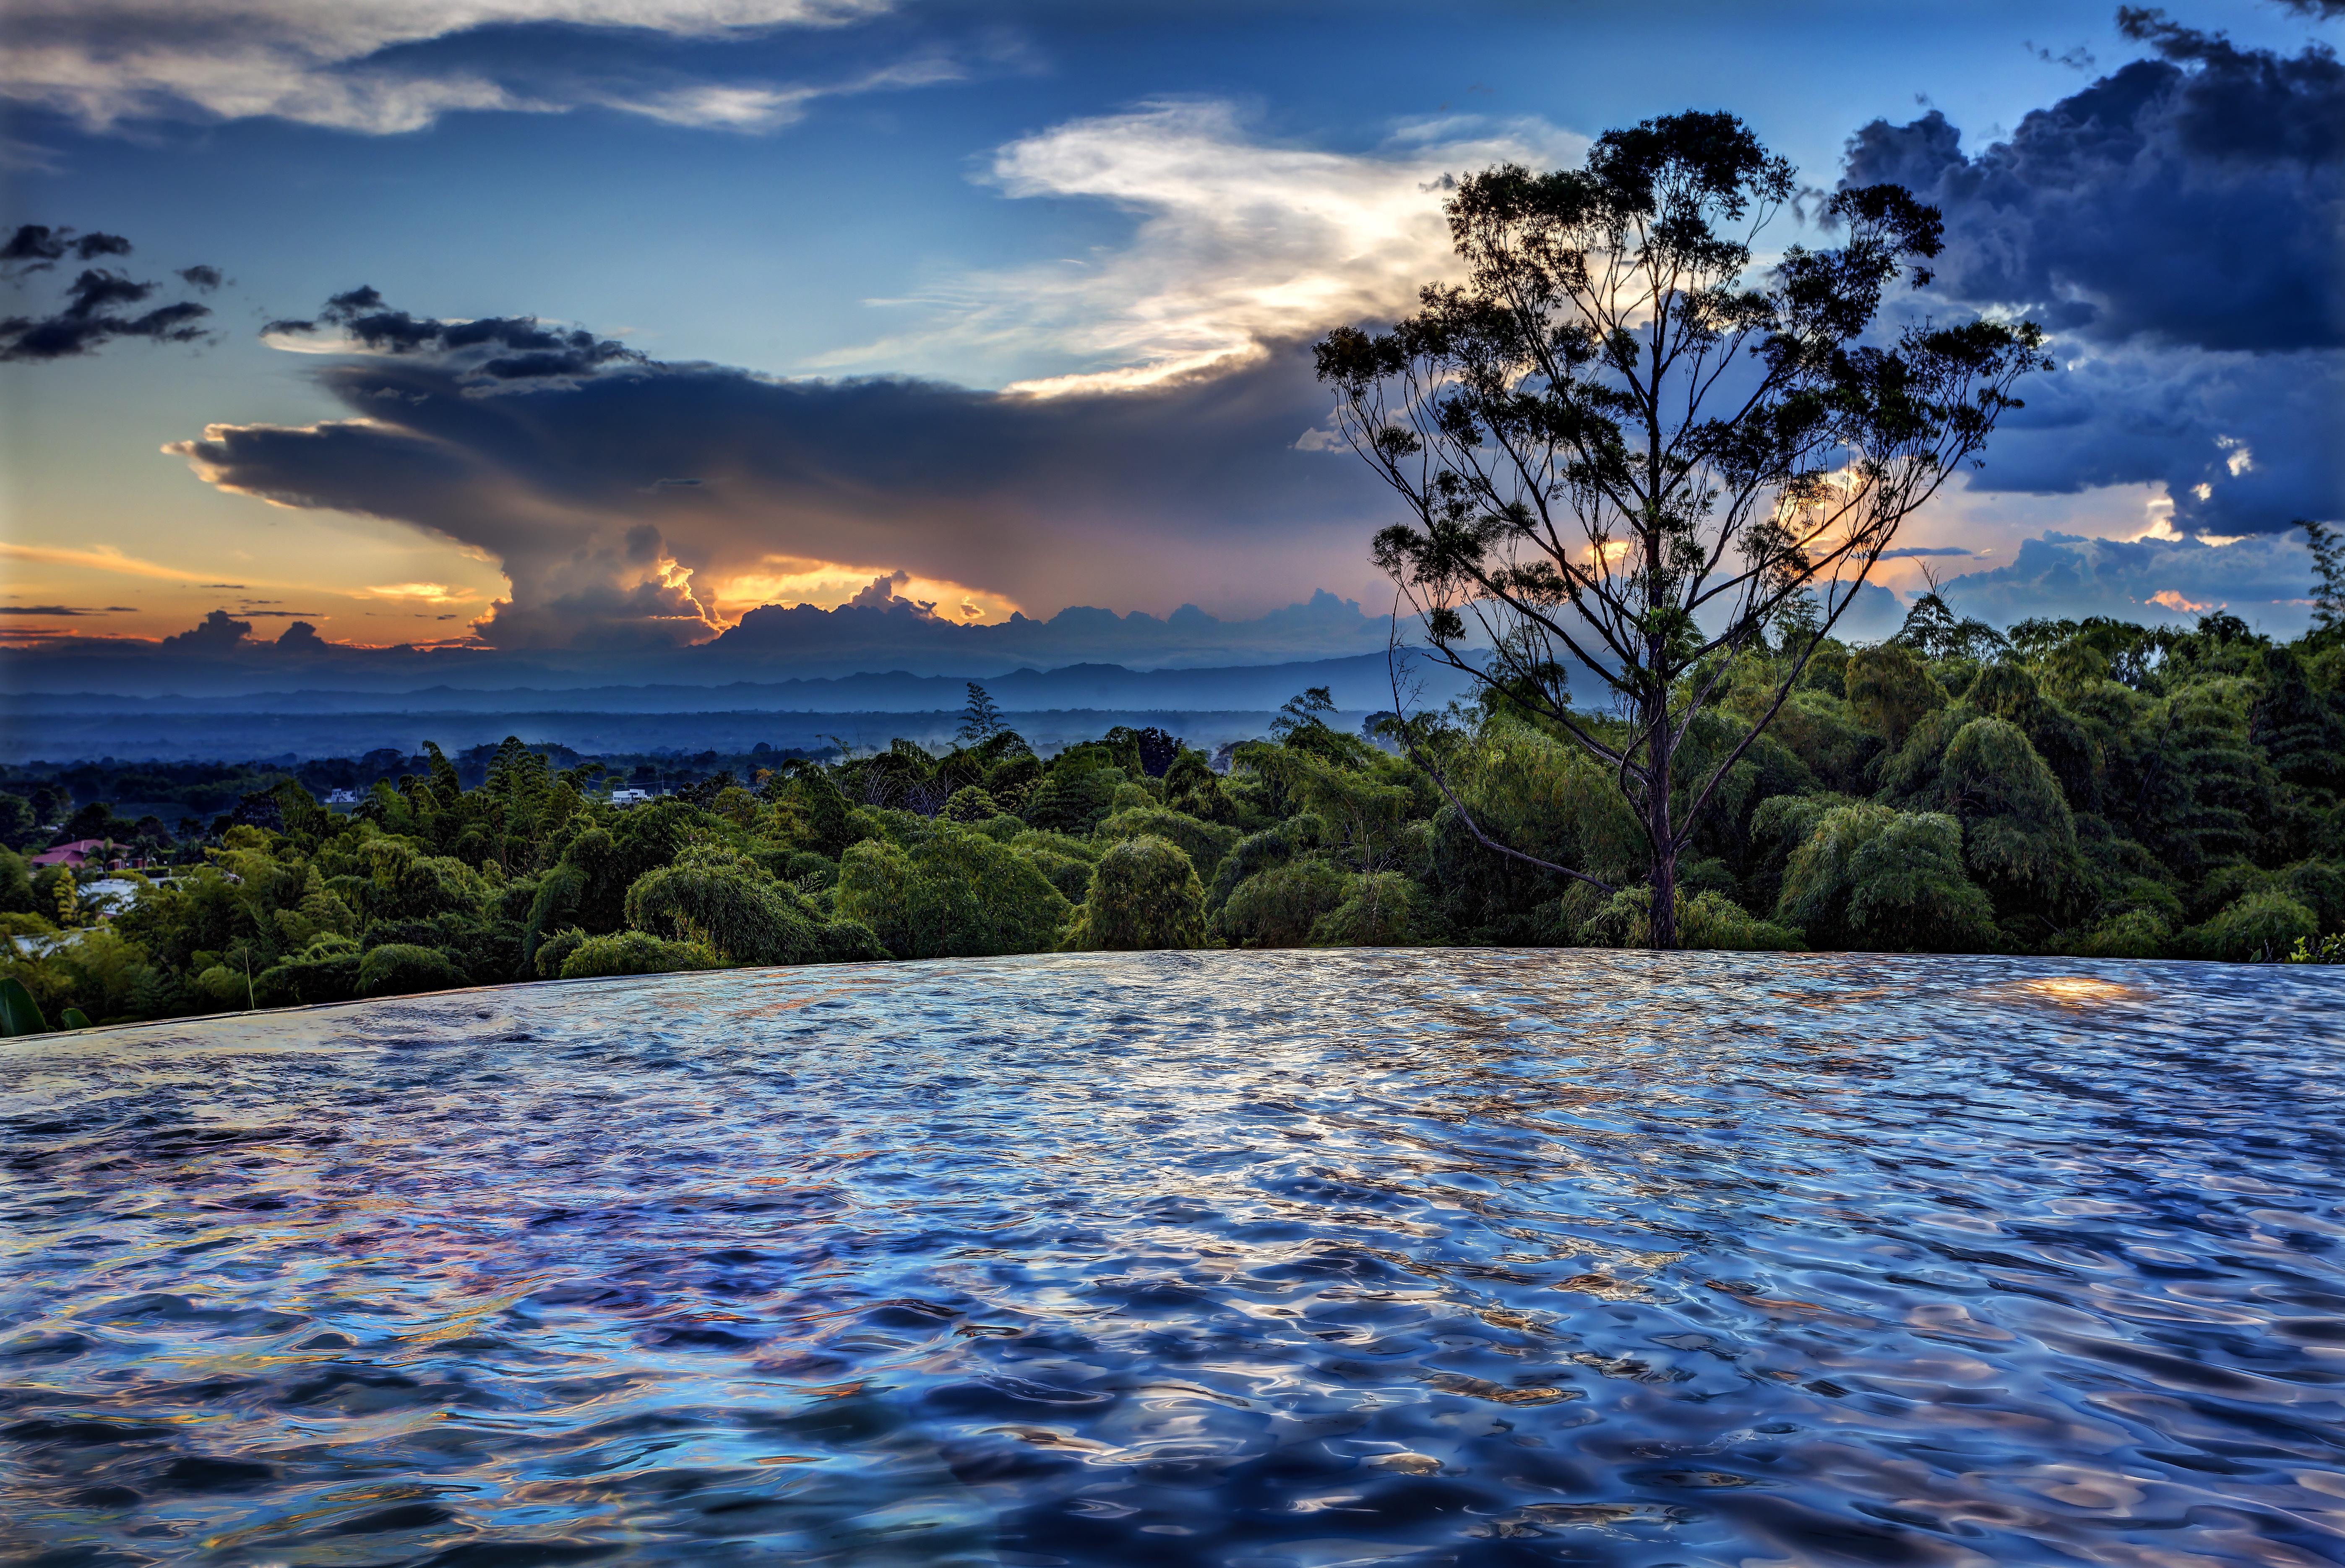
[(216, 632), (2192, 199), (1147, 496), (2244, 443), (95, 308), (499, 348), (2174, 222), (37, 247)]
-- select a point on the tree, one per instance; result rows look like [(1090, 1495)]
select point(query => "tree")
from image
[(2328, 579), (981, 720), (1144, 895), (1615, 445)]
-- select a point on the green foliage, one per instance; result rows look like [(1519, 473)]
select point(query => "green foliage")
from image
[(1706, 920), (1203, 843), (1144, 895), (1380, 909), (2020, 837), (635, 953), (2092, 788), (1281, 905), (971, 804), (954, 894), (716, 897), (396, 968), (19, 1014), (16, 896), (2328, 950), (556, 951), (1870, 876), (2263, 926), (1075, 801), (1890, 690)]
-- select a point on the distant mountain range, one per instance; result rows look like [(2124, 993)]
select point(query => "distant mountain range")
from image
[(800, 642), (1048, 707)]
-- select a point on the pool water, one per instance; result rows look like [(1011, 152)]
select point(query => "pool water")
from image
[(1248, 1259)]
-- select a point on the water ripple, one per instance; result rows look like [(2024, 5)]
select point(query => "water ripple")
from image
[(1245, 1258)]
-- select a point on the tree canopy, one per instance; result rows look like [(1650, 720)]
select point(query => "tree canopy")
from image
[(1622, 448)]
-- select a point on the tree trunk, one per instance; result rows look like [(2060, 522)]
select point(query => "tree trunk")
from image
[(1660, 828), (1663, 924)]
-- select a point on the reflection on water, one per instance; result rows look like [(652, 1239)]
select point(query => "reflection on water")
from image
[(1307, 1258)]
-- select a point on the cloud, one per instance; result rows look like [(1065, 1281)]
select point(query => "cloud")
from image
[(2244, 443), (495, 349), (37, 247), (92, 311), (2193, 199), (1912, 552), (630, 499), (1190, 489), (2174, 222), (2264, 580), (1238, 243), (387, 67), (46, 609), (103, 558), (216, 632)]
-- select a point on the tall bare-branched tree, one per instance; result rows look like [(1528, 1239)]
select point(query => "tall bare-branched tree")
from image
[(1622, 445)]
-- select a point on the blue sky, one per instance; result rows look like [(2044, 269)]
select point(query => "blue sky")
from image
[(1148, 206)]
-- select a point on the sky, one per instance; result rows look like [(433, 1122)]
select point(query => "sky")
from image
[(593, 327)]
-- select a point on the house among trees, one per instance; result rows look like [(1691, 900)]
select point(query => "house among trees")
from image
[(77, 853)]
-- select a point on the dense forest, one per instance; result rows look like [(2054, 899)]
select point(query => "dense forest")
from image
[(2094, 788)]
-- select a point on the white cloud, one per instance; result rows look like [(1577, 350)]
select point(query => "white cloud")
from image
[(104, 61), (753, 108), (1240, 243)]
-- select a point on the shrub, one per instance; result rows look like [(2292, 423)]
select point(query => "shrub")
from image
[(1203, 843), (1379, 910), (1072, 800), (956, 894), (2320, 886), (808, 869), (727, 903), (635, 953), (555, 950), (17, 886), (1706, 920), (1144, 895), (1277, 908), (1250, 855), (1070, 875), (327, 970), (1890, 690), (1869, 876), (2020, 837), (2133, 934), (2264, 925), (850, 941), (398, 968), (969, 803)]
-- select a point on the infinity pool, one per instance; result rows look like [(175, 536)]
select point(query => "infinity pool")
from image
[(1246, 1259)]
